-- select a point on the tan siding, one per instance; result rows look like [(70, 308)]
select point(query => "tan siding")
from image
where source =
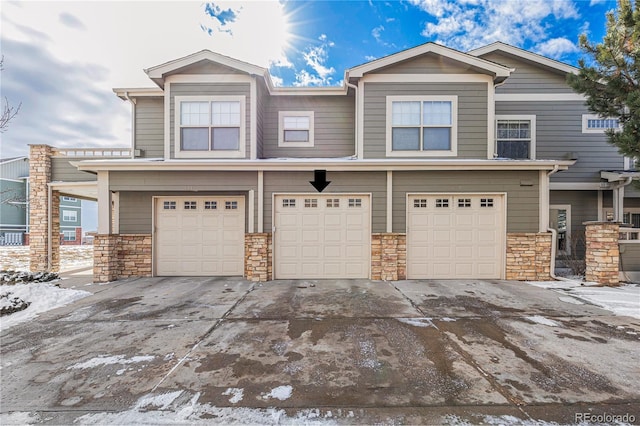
[(429, 63), (341, 182), (522, 201), (333, 125), (136, 188), (150, 127), (211, 89), (472, 114), (62, 170), (528, 77)]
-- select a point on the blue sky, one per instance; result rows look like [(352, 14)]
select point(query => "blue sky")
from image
[(61, 59)]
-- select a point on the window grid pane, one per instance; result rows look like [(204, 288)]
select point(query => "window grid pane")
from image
[(464, 202), (194, 139), (333, 202), (210, 205), (225, 113), (194, 113), (289, 202), (169, 205), (231, 205), (486, 202), (436, 113), (434, 117), (442, 202), (420, 203), (296, 136), (355, 202), (190, 205), (296, 123), (406, 113), (311, 202)]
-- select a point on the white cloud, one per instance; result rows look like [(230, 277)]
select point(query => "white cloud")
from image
[(556, 48), (596, 2), (472, 23), (376, 32), (316, 58), (304, 78)]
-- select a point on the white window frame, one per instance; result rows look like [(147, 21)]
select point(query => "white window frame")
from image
[(281, 116), (567, 236), (518, 117), (67, 214), (420, 153), (609, 210), (585, 123), (239, 153), (631, 163), (68, 235)]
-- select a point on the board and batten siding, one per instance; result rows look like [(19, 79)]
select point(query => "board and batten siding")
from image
[(528, 77), (138, 188), (559, 137), (429, 63), (63, 171), (334, 124), (472, 114), (149, 125), (373, 183), (522, 201), (210, 89)]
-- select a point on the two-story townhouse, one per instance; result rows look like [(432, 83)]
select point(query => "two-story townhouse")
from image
[(223, 169), (70, 220)]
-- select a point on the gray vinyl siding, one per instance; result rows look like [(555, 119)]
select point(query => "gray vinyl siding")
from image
[(149, 127), (334, 125), (137, 190), (529, 77), (630, 257), (14, 169), (62, 170), (472, 114), (429, 63), (211, 89), (373, 183), (559, 137), (522, 201)]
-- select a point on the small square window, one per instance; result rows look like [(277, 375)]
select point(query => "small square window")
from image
[(231, 205), (289, 202), (210, 205), (190, 205), (333, 202), (420, 203), (486, 202), (355, 202), (464, 202), (442, 202), (169, 205), (311, 202)]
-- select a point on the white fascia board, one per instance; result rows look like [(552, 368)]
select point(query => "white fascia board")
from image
[(138, 92), (530, 56), (619, 176), (309, 91), (319, 163), (496, 69)]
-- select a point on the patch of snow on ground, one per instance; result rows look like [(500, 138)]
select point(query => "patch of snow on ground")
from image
[(236, 394), (418, 322), (623, 300), (43, 297), (281, 392), (569, 299), (110, 359), (161, 402), (538, 319)]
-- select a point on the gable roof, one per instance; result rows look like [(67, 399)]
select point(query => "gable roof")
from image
[(158, 72), (500, 72), (524, 54)]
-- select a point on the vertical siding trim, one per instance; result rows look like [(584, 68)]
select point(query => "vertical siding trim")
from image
[(360, 121), (133, 124), (167, 120), (260, 201), (251, 207), (116, 211), (389, 201), (253, 117), (104, 203), (600, 209), (491, 120), (543, 204)]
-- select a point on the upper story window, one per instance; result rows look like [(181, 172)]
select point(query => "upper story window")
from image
[(422, 125), (69, 215), (210, 126), (516, 136), (70, 199), (592, 123), (295, 129)]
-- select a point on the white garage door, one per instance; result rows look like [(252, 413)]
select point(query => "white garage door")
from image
[(322, 236), (199, 236), (455, 236)]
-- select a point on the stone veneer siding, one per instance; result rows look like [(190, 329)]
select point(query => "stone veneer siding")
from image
[(603, 253), (121, 256), (388, 256), (258, 257), (529, 256)]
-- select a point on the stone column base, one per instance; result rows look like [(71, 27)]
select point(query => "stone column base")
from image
[(602, 256), (529, 256), (258, 257), (121, 256), (388, 256)]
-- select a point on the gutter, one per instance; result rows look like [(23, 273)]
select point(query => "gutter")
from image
[(355, 88)]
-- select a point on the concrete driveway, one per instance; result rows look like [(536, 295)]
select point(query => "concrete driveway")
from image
[(223, 350)]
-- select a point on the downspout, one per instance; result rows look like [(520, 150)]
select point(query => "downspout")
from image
[(355, 89), (133, 124), (618, 215)]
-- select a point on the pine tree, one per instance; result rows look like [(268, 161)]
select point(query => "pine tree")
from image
[(611, 79)]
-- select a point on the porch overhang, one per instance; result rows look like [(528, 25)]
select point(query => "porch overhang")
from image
[(619, 175)]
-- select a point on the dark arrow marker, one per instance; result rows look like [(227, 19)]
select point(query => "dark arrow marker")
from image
[(319, 181)]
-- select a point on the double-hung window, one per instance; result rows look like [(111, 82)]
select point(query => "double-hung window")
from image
[(210, 126), (69, 215), (422, 125), (515, 136), (295, 129)]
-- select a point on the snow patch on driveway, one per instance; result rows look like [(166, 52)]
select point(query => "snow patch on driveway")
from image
[(418, 322), (110, 359), (539, 319), (281, 392), (236, 394)]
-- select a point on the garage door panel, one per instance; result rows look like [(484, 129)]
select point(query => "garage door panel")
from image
[(319, 242), (455, 236)]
